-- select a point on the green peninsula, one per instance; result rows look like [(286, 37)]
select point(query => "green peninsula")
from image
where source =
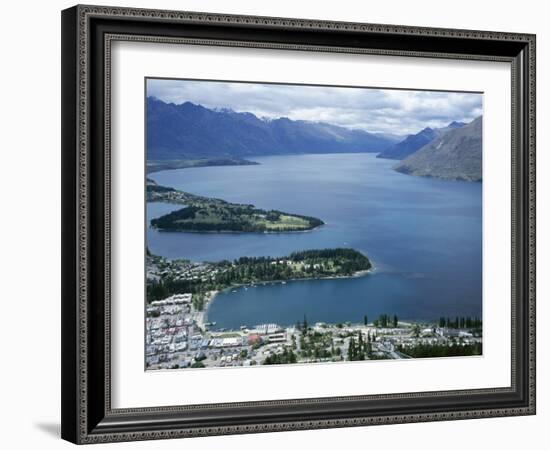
[(168, 277), (204, 214)]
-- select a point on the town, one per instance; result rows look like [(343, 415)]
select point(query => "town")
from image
[(179, 336)]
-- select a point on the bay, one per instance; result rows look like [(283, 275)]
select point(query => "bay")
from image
[(424, 237)]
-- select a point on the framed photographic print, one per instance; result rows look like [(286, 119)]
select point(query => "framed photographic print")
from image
[(281, 224)]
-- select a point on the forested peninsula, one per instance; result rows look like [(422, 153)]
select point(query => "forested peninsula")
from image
[(168, 277), (204, 214)]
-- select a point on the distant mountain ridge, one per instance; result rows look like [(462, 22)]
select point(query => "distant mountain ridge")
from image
[(187, 131), (414, 142), (455, 155)]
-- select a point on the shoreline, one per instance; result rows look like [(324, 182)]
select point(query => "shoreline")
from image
[(162, 230), (160, 165), (202, 318)]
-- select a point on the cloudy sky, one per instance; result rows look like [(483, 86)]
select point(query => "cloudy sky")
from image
[(375, 110)]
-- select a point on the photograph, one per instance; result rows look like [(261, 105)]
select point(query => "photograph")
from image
[(302, 224)]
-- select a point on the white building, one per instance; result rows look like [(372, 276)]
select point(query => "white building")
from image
[(266, 328), (175, 299), (277, 337)]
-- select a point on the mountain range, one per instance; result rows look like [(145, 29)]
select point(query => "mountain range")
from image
[(190, 131), (415, 142), (454, 155), (195, 135)]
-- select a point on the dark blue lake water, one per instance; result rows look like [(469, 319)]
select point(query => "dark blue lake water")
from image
[(422, 235)]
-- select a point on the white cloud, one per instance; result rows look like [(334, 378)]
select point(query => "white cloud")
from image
[(375, 110)]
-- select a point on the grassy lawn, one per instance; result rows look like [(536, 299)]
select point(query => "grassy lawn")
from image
[(284, 222)]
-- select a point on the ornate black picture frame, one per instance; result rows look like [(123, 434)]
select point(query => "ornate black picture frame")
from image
[(87, 35)]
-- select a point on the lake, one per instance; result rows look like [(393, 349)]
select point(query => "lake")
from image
[(424, 237)]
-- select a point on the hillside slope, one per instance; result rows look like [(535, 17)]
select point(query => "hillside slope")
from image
[(456, 155), (415, 142)]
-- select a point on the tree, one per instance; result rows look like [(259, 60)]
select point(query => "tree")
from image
[(395, 321), (292, 357), (351, 349), (287, 357), (366, 320)]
